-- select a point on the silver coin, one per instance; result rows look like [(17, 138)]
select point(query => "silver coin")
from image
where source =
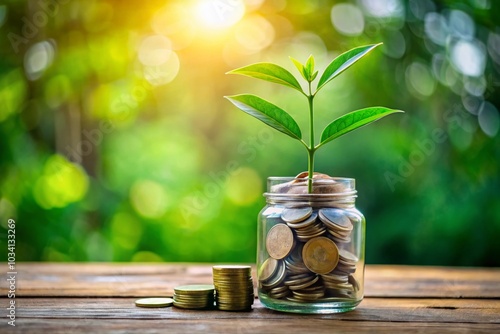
[(335, 218), (305, 223), (294, 215)]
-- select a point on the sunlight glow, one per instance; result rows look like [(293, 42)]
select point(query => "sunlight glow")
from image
[(218, 14)]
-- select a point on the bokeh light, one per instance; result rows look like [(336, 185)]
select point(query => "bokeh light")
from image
[(58, 90), (347, 19), (175, 21), (461, 24), (38, 58), (164, 73), (394, 44), (436, 27), (125, 231), (494, 46), (489, 119), (161, 63), (419, 80), (13, 90), (469, 57), (254, 33), (384, 8), (60, 184), (155, 50), (149, 198)]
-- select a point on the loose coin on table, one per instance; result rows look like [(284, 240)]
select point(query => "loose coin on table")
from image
[(279, 241), (320, 255), (154, 302)]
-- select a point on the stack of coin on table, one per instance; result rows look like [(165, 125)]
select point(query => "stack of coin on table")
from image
[(195, 296), (309, 260), (233, 287)]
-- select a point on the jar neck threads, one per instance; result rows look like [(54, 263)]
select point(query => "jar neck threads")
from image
[(326, 191)]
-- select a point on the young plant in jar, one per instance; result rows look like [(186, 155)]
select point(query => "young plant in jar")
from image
[(310, 256)]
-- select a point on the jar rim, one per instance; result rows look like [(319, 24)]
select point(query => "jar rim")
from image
[(290, 178), (325, 189)]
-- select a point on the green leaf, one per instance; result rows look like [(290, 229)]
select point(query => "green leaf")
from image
[(352, 121), (314, 75), (343, 62), (269, 72), (310, 67), (268, 113), (299, 67)]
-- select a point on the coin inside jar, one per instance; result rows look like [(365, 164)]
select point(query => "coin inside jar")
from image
[(294, 215), (279, 241), (336, 219), (268, 269), (320, 255)]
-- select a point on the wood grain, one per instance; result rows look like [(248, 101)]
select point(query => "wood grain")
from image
[(241, 326), (99, 297), (371, 309), (135, 280)]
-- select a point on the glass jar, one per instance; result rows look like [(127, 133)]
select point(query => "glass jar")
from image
[(310, 246)]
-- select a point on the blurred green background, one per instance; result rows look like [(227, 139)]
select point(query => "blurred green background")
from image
[(116, 143)]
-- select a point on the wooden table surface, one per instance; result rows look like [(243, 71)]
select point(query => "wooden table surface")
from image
[(99, 298)]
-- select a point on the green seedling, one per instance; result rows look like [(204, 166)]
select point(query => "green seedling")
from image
[(281, 120)]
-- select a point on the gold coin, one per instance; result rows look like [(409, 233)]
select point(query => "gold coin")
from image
[(279, 241), (192, 297), (193, 306), (194, 289), (268, 269), (154, 302), (232, 268), (320, 255), (233, 286)]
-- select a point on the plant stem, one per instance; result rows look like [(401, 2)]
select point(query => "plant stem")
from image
[(310, 167), (311, 149)]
